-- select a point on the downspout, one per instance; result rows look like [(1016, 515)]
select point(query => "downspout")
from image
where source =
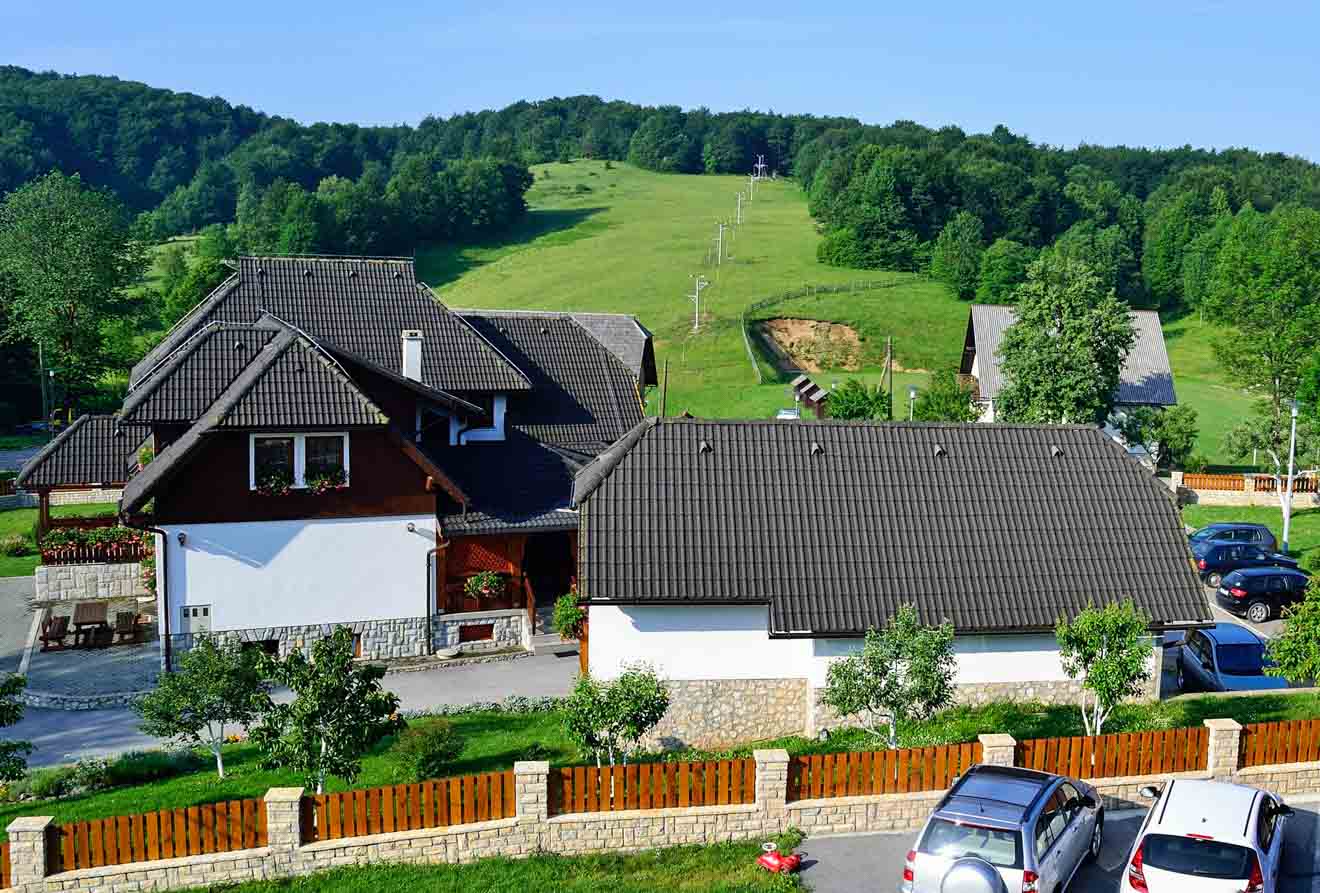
[(432, 579), (163, 580)]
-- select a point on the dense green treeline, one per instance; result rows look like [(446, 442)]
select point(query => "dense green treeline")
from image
[(977, 209)]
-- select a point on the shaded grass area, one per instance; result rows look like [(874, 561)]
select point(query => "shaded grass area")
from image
[(21, 522), (1200, 383), (718, 868), (493, 741), (21, 441), (1303, 534)]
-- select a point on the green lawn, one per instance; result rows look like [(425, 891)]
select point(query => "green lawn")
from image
[(22, 521), (1304, 533), (1201, 383), (719, 868), (630, 244), (21, 441)]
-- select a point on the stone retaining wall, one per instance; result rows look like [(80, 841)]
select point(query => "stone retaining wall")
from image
[(84, 497), (533, 830), (80, 582), (390, 639), (18, 501), (712, 713)]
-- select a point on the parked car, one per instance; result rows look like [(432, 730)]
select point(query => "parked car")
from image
[(1224, 657), (1213, 836), (1259, 593), (1033, 828), (1235, 532), (1214, 559)]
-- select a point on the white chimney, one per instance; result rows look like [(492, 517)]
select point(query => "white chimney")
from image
[(412, 354)]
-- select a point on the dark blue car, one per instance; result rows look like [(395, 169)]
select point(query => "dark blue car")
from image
[(1224, 657), (1214, 559), (1235, 532), (1260, 593)]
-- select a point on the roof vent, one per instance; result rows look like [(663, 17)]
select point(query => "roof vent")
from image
[(544, 330), (1056, 451), (307, 273), (816, 448), (940, 450), (261, 271), (705, 447), (239, 346), (352, 274), (398, 275)]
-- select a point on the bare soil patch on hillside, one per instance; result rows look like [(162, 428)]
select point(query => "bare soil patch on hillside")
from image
[(812, 344)]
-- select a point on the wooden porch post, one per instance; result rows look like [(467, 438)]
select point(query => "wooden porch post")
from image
[(43, 513)]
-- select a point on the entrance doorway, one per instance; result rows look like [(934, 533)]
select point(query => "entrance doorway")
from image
[(549, 566)]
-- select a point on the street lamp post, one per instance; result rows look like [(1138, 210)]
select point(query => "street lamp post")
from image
[(1292, 455), (912, 400)]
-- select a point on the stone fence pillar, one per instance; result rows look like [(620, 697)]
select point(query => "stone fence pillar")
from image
[(27, 849), (284, 831), (1225, 747), (531, 785), (771, 782), (998, 750)]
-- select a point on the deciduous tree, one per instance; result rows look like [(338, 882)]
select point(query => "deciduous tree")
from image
[(903, 672), (1109, 650), (1295, 653), (855, 400), (945, 399), (610, 718), (1168, 433), (1003, 268), (12, 753), (955, 259)]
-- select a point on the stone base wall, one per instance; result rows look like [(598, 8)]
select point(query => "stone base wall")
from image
[(719, 712), (84, 497), (18, 501), (389, 639), (80, 582), (511, 630), (1064, 691)]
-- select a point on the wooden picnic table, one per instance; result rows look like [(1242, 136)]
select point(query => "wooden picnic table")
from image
[(88, 619)]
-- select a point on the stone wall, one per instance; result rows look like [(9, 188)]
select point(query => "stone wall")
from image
[(390, 639), (83, 497), (79, 582), (720, 712), (534, 830), (18, 500)]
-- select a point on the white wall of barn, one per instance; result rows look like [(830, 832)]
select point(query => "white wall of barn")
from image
[(729, 642), (290, 573)]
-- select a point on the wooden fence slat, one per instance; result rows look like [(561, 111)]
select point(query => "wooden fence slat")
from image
[(220, 826), (685, 785), (207, 825), (4, 865), (903, 778), (151, 849), (708, 797), (749, 781), (109, 842), (67, 852), (386, 817)]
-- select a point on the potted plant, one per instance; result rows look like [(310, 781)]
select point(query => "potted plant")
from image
[(569, 616), (326, 481), (483, 585), (275, 483)]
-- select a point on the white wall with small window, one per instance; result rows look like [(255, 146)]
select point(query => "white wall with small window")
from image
[(298, 460)]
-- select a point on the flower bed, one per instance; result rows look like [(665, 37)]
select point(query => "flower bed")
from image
[(100, 544)]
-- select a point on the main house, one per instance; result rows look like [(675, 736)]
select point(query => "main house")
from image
[(322, 442), (1146, 378), (740, 558)]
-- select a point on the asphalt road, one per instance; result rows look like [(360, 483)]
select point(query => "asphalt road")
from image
[(874, 862)]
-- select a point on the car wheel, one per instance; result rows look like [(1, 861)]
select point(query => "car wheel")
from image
[(1097, 839), (1213, 580), (1258, 612)]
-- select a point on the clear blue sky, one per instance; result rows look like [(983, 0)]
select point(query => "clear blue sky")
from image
[(1153, 73)]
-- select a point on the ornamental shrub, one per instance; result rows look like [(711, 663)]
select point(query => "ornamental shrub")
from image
[(15, 545), (426, 751)]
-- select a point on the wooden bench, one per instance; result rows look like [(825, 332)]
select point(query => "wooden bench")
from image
[(127, 627)]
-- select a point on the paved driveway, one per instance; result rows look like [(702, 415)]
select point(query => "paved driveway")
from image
[(15, 621), (874, 862)]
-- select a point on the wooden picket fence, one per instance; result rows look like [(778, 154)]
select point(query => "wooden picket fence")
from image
[(409, 807), (879, 772), (1235, 482), (652, 786), (1267, 743), (4, 866), (1128, 753), (165, 834)]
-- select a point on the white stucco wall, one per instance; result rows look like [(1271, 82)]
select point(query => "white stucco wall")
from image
[(288, 573), (685, 643)]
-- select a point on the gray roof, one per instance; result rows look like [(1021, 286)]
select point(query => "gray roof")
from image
[(834, 525), (359, 306), (188, 381), (621, 334), (90, 451), (1146, 377)]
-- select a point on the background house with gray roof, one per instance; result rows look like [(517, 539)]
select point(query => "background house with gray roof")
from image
[(740, 558)]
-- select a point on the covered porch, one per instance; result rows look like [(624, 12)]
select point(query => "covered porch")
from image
[(493, 572)]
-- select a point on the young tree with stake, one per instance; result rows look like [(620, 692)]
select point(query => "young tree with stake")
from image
[(1109, 650), (213, 687), (339, 712), (612, 717), (903, 672)]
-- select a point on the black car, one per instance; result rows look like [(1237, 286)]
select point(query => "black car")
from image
[(1259, 593), (1235, 532), (1214, 559)]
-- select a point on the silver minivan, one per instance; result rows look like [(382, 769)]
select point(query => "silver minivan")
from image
[(1032, 829)]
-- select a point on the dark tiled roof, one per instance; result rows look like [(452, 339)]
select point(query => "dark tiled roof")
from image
[(357, 305), (1146, 376), (515, 484), (835, 525), (621, 334), (90, 451), (186, 383), (583, 396)]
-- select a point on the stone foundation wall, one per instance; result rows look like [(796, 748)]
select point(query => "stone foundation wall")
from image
[(80, 582), (389, 639), (718, 712), (19, 501), (83, 497), (534, 830)]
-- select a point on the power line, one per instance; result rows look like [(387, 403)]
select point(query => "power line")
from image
[(698, 283)]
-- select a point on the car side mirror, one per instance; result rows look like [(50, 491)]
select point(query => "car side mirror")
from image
[(1149, 792), (1283, 810), (1088, 801)]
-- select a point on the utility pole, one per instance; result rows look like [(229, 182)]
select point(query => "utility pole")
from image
[(719, 244), (751, 187), (889, 370), (664, 389), (739, 217), (1292, 455), (41, 370), (698, 283), (760, 166)]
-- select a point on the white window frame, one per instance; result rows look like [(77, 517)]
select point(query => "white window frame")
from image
[(299, 454)]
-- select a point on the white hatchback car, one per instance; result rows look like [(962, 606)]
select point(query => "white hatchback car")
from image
[(1207, 837)]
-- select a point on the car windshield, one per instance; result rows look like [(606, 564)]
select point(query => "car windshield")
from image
[(1241, 660), (1206, 533), (953, 840), (1191, 855)]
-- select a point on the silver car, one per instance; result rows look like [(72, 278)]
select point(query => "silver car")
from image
[(1025, 830)]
